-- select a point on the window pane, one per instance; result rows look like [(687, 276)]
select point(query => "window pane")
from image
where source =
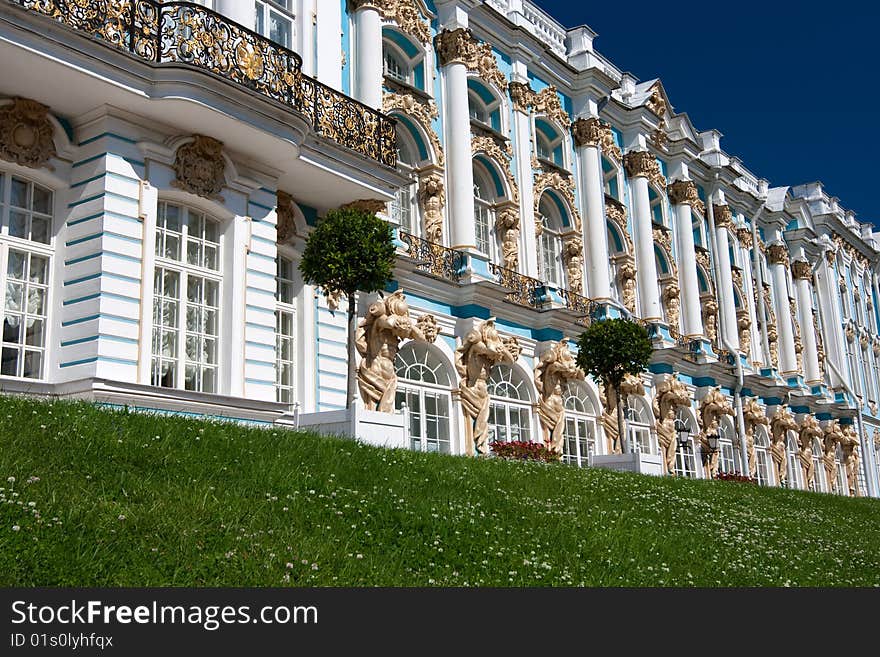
[(42, 200), (15, 267), (9, 362), (18, 225), (38, 270), (19, 194)]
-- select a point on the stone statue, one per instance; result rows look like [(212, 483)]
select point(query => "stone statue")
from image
[(507, 225), (627, 277), (671, 395), (608, 399), (481, 348), (555, 369), (433, 198), (572, 256), (672, 301), (753, 415), (712, 407), (780, 424), (809, 431), (710, 318), (429, 327), (378, 339), (833, 436), (850, 445)]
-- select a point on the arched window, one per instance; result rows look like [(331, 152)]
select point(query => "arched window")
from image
[(403, 60), (819, 482), (658, 216), (423, 385), (795, 475), (639, 434), (685, 460), (395, 65), (404, 208), (26, 217), (762, 456), (549, 143), (510, 408), (611, 181), (484, 212), (285, 331), (550, 243), (484, 106), (580, 425), (186, 301)]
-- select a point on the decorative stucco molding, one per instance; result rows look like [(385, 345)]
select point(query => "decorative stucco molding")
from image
[(26, 134)]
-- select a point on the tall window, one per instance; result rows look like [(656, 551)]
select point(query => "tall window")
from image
[(510, 407), (274, 20), (403, 208), (819, 483), (762, 456), (423, 384), (727, 461), (477, 108), (186, 302), (484, 214), (795, 475), (685, 461), (580, 425), (638, 416), (285, 332), (25, 257), (550, 243)]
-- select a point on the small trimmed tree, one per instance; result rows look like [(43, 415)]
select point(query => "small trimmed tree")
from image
[(349, 251), (609, 350)]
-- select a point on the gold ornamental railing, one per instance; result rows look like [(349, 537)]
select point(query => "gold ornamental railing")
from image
[(434, 259), (183, 33), (523, 289)]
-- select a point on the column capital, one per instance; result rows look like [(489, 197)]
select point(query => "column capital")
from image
[(744, 235), (455, 46), (644, 164), (723, 216), (521, 94), (592, 132), (684, 192), (801, 270), (778, 254), (375, 5)]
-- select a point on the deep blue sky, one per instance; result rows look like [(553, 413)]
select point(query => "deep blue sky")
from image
[(792, 86)]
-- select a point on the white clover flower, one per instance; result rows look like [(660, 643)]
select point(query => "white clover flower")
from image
[(15, 528)]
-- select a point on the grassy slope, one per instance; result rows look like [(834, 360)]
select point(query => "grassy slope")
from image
[(130, 499)]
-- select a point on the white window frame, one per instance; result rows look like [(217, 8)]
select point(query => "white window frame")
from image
[(503, 407), (638, 426), (550, 269), (420, 361), (484, 217), (685, 455), (263, 13), (580, 426), (185, 273), (31, 248), (285, 308)]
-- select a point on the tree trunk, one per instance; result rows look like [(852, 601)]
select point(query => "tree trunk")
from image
[(351, 382), (621, 432)]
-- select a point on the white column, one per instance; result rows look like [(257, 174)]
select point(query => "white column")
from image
[(639, 165), (835, 352), (778, 258), (723, 223), (587, 136), (452, 47), (682, 194), (368, 54), (240, 11), (803, 277)]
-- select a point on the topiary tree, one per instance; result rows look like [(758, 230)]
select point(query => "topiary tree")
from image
[(350, 250), (609, 350)]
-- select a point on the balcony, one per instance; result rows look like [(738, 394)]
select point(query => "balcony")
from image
[(184, 34), (434, 259)]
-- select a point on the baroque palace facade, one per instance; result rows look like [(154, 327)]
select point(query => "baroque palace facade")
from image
[(162, 163)]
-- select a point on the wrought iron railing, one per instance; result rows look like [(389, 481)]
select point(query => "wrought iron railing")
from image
[(183, 33), (523, 289), (434, 259), (576, 302)]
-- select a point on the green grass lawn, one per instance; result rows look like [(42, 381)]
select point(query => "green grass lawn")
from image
[(91, 497)]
